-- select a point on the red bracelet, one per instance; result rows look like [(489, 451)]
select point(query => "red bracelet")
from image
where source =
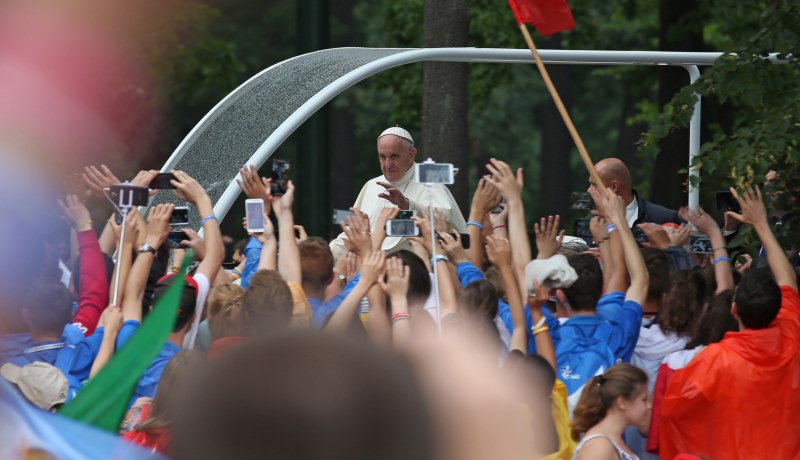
[(499, 226), (400, 316)]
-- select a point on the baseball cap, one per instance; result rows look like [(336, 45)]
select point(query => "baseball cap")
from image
[(399, 132), (42, 384)]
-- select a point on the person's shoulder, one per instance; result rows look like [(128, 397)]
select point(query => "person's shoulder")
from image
[(596, 446), (659, 214)]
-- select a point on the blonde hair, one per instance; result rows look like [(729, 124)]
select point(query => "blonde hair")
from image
[(225, 314)]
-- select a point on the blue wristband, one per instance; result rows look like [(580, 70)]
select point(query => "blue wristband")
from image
[(439, 258), (610, 228), (720, 259), (477, 224), (207, 218)]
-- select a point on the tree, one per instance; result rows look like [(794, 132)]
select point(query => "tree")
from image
[(763, 97)]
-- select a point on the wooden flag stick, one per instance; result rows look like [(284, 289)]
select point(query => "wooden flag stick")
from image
[(561, 109)]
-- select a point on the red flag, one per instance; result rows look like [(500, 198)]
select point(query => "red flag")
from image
[(547, 16)]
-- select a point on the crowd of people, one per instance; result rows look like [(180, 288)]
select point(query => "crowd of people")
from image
[(374, 346)]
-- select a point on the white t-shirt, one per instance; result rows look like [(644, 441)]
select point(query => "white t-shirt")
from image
[(203, 286)]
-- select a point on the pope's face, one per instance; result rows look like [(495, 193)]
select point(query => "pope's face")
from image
[(396, 156)]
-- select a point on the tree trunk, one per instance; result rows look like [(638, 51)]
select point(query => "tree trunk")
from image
[(679, 30), (444, 96), (557, 144)]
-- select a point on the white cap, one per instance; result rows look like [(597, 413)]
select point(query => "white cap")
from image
[(556, 271), (399, 132), (43, 384)]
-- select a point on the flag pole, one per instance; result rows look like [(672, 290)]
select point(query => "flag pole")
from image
[(561, 109)]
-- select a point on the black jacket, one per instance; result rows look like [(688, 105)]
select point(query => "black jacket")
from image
[(650, 212)]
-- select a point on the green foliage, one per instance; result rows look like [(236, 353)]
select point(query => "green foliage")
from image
[(764, 97)]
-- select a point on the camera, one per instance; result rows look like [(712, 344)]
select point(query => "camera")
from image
[(429, 172), (127, 196), (401, 227), (406, 214), (280, 176)]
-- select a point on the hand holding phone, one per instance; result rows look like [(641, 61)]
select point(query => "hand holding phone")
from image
[(280, 176), (401, 227), (162, 181)]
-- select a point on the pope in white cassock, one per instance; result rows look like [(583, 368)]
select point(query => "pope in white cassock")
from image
[(397, 187)]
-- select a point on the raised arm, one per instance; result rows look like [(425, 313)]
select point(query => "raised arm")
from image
[(125, 257), (485, 198), (614, 209), (615, 276), (289, 253), (157, 230), (269, 247), (498, 250), (722, 262), (188, 189), (755, 214), (370, 270), (111, 320), (395, 285), (93, 288)]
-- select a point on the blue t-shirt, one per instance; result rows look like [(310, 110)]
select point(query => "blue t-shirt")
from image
[(467, 273), (12, 345), (322, 310), (148, 384), (624, 316)]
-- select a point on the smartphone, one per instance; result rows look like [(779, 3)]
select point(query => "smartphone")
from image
[(162, 181), (465, 241), (254, 210), (498, 209), (700, 244), (401, 227), (406, 214), (179, 217), (582, 229), (280, 176), (435, 173), (128, 195), (726, 202), (174, 239), (341, 215)]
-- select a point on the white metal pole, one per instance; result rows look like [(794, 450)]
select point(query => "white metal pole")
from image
[(694, 141), (433, 259)]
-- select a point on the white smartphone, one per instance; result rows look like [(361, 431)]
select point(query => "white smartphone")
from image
[(401, 227), (435, 173), (254, 208)]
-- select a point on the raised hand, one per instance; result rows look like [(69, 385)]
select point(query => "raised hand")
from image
[(188, 189), (379, 234), (452, 247), (610, 205), (76, 212), (268, 233), (548, 237), (498, 250), (196, 243), (131, 227), (347, 266), (395, 283), (499, 218), (98, 179), (284, 202), (371, 268), (394, 196), (143, 179), (158, 224), (485, 198), (302, 235), (657, 236), (752, 204), (597, 226), (700, 219), (424, 237), (357, 231), (254, 186), (504, 179), (680, 236)]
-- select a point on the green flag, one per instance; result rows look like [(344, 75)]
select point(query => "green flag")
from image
[(103, 401)]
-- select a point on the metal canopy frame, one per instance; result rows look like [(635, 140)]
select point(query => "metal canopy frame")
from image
[(688, 60)]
